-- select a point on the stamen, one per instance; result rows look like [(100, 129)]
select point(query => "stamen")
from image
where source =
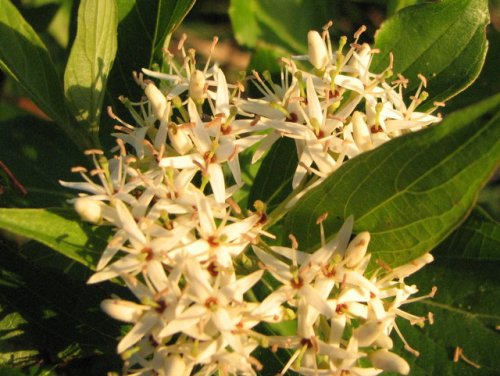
[(423, 79), (360, 31), (406, 345), (138, 78), (93, 152), (182, 40), (78, 169), (460, 355), (215, 40), (295, 243), (328, 25)]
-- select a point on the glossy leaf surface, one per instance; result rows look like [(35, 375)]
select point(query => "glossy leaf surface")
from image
[(24, 57), (90, 61), (59, 229), (444, 41), (411, 192)]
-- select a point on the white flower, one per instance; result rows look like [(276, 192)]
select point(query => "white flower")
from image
[(90, 210), (318, 53)]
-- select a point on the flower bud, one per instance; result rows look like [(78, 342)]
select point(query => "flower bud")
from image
[(357, 249), (180, 140), (367, 333), (404, 271), (122, 310), (361, 132), (389, 362), (157, 100), (174, 366), (197, 86), (88, 209), (318, 53), (384, 341)]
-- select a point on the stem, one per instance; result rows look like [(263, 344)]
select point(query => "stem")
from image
[(13, 179)]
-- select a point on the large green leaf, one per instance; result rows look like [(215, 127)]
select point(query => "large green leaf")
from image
[(466, 313), (488, 82), (394, 6), (411, 192), (477, 238), (24, 57), (143, 29), (445, 41), (273, 182), (59, 229), (90, 61), (270, 21), (47, 318)]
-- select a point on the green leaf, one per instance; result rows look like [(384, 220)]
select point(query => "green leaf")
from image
[(466, 315), (394, 6), (411, 192), (90, 61), (38, 156), (445, 41), (270, 21), (143, 29), (13, 351), (59, 229), (48, 317), (488, 82), (273, 182), (24, 57), (477, 238)]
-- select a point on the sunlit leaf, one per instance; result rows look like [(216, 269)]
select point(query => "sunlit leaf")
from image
[(24, 57), (411, 192), (59, 229), (90, 61), (444, 41), (143, 28)]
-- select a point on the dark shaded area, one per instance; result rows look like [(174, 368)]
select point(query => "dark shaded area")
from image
[(63, 319)]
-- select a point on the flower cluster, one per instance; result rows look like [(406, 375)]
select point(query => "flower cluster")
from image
[(337, 110), (344, 318), (190, 255)]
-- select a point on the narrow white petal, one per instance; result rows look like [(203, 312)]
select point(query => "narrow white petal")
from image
[(349, 83), (138, 331), (129, 224), (181, 162), (222, 101), (313, 105), (217, 182)]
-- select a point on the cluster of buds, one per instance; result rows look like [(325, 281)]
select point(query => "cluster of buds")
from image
[(191, 256), (338, 109)]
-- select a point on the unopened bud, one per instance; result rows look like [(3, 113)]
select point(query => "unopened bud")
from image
[(384, 341), (357, 249), (174, 366), (157, 100), (404, 271), (122, 310), (318, 53), (361, 132), (389, 362), (197, 86), (88, 209), (179, 139), (367, 333)]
